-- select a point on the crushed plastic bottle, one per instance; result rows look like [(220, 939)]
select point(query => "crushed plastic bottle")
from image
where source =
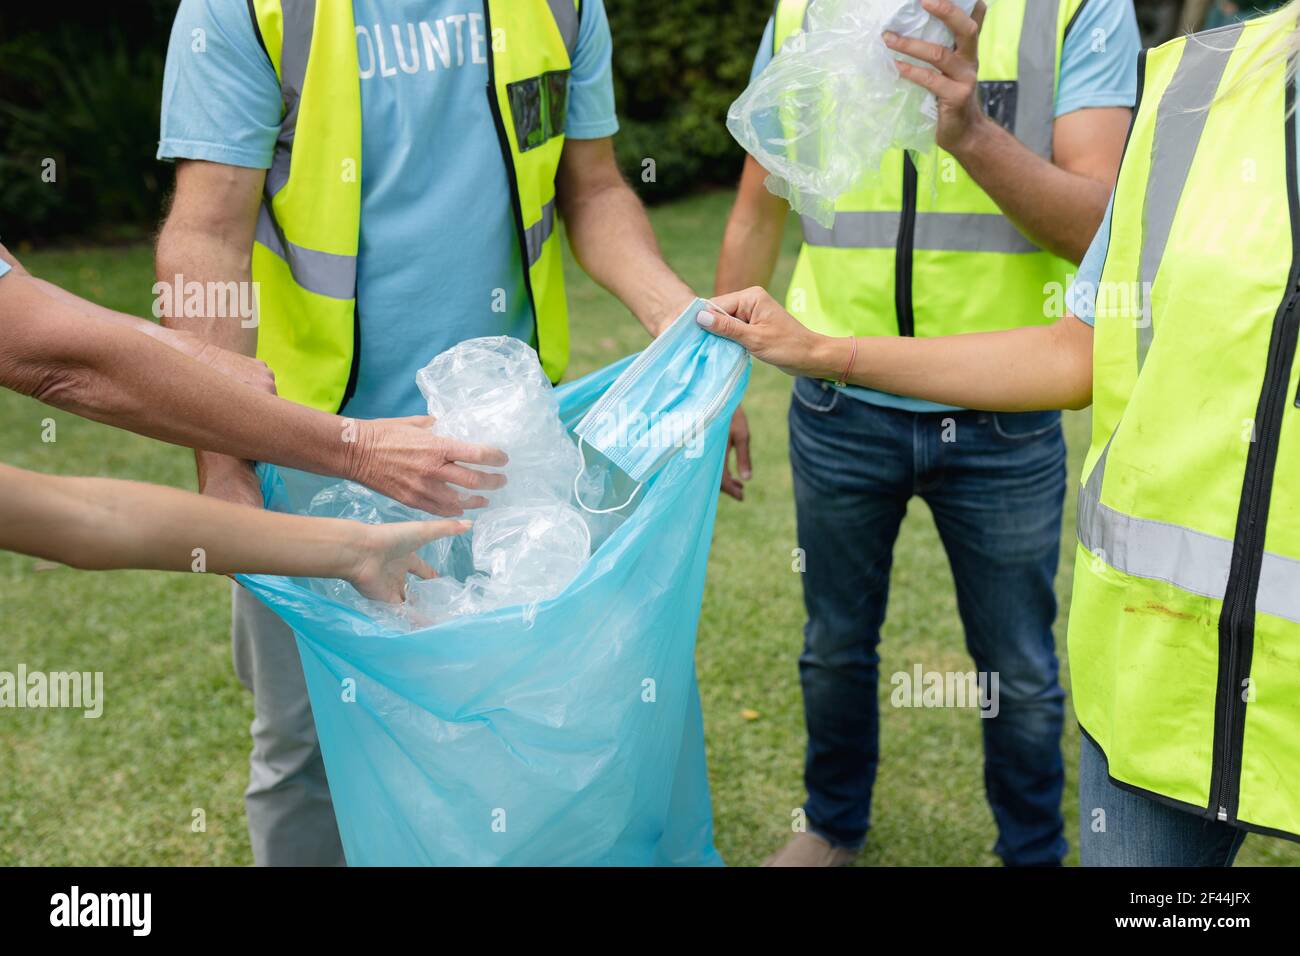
[(533, 548), (823, 113), (493, 391), (529, 542)]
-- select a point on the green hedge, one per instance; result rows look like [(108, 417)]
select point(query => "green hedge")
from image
[(84, 94), (678, 64), (85, 91)]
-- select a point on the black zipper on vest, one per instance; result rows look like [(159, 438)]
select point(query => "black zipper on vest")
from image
[(903, 251), (504, 140), (1237, 619)]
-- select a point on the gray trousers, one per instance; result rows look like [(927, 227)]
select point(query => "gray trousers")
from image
[(290, 814)]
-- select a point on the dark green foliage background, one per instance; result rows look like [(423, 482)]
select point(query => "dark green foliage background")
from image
[(81, 84), (678, 64)]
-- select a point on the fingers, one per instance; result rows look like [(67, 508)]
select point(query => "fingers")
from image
[(472, 454), (417, 421), (454, 450), (740, 304), (420, 568), (949, 63), (730, 486), (937, 83), (425, 531), (965, 29), (737, 440), (471, 479), (441, 500), (263, 377), (725, 325), (741, 442)]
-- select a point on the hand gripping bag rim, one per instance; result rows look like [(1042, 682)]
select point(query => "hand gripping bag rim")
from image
[(379, 826)]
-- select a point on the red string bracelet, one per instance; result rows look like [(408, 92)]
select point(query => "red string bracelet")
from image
[(848, 369)]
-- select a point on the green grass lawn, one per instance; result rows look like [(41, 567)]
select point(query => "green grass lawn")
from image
[(173, 738)]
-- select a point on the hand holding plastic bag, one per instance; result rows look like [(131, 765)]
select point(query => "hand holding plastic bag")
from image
[(821, 116)]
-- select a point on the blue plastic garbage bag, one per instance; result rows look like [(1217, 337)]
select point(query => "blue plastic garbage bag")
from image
[(489, 740)]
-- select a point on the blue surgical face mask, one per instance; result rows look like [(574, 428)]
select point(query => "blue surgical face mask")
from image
[(664, 401)]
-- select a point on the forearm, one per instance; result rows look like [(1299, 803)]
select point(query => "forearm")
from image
[(1027, 369), (186, 254), (1018, 370), (612, 240), (751, 243), (54, 352), (1055, 208), (200, 250), (101, 524), (170, 337)]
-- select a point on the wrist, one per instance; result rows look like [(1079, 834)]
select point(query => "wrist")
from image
[(830, 357), (974, 136), (350, 542), (665, 309), (350, 451), (173, 338)]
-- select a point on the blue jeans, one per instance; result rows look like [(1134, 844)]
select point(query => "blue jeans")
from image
[(995, 484), (1120, 828)]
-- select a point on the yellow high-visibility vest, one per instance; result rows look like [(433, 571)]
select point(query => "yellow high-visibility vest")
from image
[(1184, 634), (305, 253), (921, 249)]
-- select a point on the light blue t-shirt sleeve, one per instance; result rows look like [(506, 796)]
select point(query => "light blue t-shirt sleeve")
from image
[(1081, 297), (591, 113), (764, 55), (4, 267), (221, 99), (1099, 58)]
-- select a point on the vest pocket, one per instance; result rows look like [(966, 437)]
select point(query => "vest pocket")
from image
[(538, 107), (998, 97)]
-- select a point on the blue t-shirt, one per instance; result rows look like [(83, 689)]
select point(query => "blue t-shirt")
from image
[(438, 247), (1081, 296), (1098, 69), (4, 267)]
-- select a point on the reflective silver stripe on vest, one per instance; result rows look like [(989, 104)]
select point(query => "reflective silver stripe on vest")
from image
[(299, 22), (1190, 560), (935, 231), (324, 273), (1036, 76), (535, 236), (1180, 120), (566, 18)]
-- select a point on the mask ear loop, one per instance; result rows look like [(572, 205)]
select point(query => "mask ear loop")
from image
[(578, 497)]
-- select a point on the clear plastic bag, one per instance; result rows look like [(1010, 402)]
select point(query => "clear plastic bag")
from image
[(540, 720), (821, 116), (529, 542), (545, 718), (492, 390), (533, 551)]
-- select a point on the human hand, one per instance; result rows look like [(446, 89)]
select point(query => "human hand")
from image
[(737, 439), (771, 334), (377, 558), (402, 458), (956, 84)]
